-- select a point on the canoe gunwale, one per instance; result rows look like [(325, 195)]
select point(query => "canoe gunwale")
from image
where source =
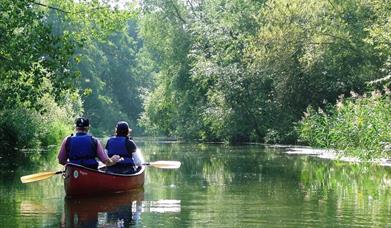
[(104, 172)]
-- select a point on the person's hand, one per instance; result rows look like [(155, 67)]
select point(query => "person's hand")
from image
[(116, 158), (113, 160)]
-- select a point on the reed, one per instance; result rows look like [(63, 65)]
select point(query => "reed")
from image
[(358, 126)]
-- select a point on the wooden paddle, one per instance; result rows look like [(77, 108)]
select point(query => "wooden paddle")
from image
[(45, 175), (164, 164), (38, 176)]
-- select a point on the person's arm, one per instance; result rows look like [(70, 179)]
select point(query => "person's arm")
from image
[(136, 154), (103, 156), (62, 154), (131, 146)]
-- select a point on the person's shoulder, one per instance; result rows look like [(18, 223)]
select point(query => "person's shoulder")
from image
[(66, 138), (129, 139), (95, 139), (111, 137)]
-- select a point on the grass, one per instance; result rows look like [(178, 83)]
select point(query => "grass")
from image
[(359, 126)]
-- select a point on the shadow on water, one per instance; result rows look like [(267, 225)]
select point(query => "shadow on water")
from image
[(116, 210), (16, 162)]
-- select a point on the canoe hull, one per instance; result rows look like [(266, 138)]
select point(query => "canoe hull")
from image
[(79, 180)]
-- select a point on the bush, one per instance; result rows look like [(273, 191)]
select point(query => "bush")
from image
[(360, 126), (18, 129), (56, 121), (272, 136), (26, 128)]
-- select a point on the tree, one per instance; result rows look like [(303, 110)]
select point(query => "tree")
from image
[(111, 82), (255, 66)]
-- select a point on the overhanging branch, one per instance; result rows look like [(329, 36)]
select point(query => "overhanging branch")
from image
[(64, 11), (50, 7)]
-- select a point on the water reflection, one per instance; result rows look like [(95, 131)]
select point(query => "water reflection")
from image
[(216, 186), (162, 206), (116, 210), (358, 191)]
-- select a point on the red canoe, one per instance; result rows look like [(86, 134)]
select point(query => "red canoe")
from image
[(79, 180)]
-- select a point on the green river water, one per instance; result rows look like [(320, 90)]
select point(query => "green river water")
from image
[(216, 186)]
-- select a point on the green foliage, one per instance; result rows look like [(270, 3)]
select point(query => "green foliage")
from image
[(56, 121), (30, 55), (112, 79), (247, 70), (158, 121), (105, 60), (38, 96), (87, 21), (167, 42), (199, 103), (34, 78), (241, 70), (312, 51), (27, 128), (359, 126), (18, 128)]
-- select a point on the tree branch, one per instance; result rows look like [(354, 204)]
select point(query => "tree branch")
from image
[(64, 11), (177, 12), (384, 79), (50, 7)]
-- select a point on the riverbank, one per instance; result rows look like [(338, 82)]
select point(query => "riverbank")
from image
[(332, 155), (359, 126)]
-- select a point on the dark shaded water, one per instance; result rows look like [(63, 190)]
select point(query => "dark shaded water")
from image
[(216, 186)]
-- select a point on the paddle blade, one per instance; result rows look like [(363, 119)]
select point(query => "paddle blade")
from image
[(165, 164), (37, 176)]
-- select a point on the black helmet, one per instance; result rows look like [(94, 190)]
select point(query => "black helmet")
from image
[(82, 122), (122, 125), (122, 128)]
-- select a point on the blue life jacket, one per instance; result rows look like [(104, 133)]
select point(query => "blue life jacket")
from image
[(82, 150), (116, 145)]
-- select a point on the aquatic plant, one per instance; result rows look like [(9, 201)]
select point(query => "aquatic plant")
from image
[(359, 125)]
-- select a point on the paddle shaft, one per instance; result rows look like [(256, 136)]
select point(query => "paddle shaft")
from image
[(164, 164), (39, 176)]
